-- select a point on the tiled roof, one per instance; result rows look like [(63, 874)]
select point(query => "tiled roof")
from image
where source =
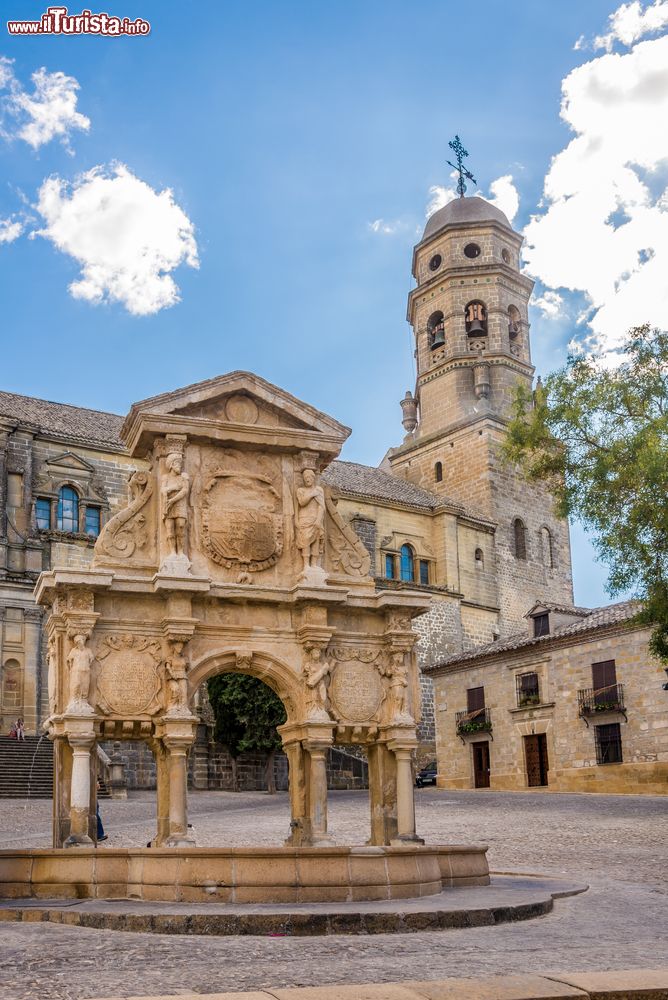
[(374, 484), (560, 609), (75, 423), (604, 617)]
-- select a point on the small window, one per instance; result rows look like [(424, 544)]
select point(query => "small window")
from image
[(608, 744), (520, 538), (389, 566), (424, 572), (514, 322), (68, 509), (471, 250), (93, 521), (475, 316), (43, 513), (546, 547), (505, 256), (438, 472), (435, 262), (479, 559), (436, 330), (541, 625), (527, 689), (407, 564)]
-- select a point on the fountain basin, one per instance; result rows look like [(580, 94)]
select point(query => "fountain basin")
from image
[(242, 875)]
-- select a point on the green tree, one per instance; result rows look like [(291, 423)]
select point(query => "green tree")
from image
[(247, 713), (599, 435)]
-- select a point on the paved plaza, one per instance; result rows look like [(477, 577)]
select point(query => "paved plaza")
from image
[(617, 844)]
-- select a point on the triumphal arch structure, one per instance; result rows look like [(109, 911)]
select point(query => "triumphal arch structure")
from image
[(231, 556)]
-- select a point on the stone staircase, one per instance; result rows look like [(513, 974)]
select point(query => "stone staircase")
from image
[(17, 758), (26, 769)]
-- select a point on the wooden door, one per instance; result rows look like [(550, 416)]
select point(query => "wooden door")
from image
[(535, 753), (480, 764)]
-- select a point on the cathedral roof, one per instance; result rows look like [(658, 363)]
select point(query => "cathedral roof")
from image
[(607, 616), (374, 484), (463, 212), (59, 420)]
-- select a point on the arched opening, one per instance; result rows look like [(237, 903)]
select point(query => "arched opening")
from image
[(407, 558), (514, 322), (67, 518), (475, 316), (11, 686), (547, 548), (520, 538), (438, 472), (479, 559), (436, 330)]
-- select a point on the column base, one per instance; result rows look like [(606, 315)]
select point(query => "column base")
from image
[(78, 840), (408, 838)]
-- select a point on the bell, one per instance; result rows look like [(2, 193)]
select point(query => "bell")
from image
[(439, 339), (476, 329)]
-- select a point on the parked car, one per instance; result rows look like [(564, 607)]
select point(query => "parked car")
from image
[(427, 776)]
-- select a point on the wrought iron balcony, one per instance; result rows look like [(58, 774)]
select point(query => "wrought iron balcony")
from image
[(478, 721), (592, 701)]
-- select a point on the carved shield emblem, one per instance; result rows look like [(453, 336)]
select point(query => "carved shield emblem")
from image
[(128, 681), (242, 521), (356, 691)]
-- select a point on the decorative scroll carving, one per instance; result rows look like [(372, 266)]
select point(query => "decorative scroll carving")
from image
[(79, 662), (242, 518), (317, 670), (129, 681), (126, 531), (348, 554), (346, 653)]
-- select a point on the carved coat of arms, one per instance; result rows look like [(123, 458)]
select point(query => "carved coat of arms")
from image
[(129, 679), (242, 520)]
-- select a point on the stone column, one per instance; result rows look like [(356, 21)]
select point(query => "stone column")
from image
[(405, 798), (300, 825), (317, 793), (382, 794), (162, 792), (62, 781), (178, 791), (80, 797)]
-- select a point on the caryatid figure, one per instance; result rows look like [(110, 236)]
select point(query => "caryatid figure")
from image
[(310, 520), (177, 669), (174, 491), (316, 673), (398, 685), (79, 661)]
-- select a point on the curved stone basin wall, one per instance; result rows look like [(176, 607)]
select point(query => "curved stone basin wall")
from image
[(241, 875)]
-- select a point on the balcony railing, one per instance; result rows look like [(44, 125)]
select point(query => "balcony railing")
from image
[(478, 721), (592, 701)]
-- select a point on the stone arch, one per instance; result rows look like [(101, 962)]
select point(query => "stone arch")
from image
[(269, 669)]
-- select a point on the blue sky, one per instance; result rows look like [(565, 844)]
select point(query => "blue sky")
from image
[(283, 130)]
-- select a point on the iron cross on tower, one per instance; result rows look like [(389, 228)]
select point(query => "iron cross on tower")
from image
[(460, 154)]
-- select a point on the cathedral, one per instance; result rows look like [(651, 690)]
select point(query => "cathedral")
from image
[(442, 515)]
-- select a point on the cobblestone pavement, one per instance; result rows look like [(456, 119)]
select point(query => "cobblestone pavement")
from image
[(616, 843)]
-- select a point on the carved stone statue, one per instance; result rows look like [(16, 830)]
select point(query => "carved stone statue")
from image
[(398, 676), (51, 675), (316, 674), (177, 683), (174, 492), (310, 521), (79, 662)]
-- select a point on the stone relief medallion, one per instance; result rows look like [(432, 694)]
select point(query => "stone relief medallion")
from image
[(128, 681), (241, 410), (242, 520), (356, 691)]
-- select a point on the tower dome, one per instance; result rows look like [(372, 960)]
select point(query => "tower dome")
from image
[(464, 212)]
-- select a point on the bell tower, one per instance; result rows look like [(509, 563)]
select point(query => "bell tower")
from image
[(469, 314)]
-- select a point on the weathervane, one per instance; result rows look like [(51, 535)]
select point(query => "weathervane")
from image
[(460, 153)]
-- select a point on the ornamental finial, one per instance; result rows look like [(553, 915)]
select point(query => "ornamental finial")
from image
[(460, 154)]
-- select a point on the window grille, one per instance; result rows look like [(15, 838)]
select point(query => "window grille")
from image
[(608, 744), (528, 692)]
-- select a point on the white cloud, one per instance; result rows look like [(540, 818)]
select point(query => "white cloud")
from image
[(632, 21), (550, 303), (127, 237), (383, 227), (49, 112), (604, 231), (10, 230), (502, 193)]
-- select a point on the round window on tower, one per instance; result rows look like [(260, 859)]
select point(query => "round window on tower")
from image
[(471, 250), (435, 262), (505, 254)]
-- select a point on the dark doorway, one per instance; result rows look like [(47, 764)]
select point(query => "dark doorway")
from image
[(535, 752), (480, 764)]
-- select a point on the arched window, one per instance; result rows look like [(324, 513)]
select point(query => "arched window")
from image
[(407, 564), (436, 330), (479, 559), (68, 509), (546, 548), (475, 316), (438, 472), (514, 322), (520, 534)]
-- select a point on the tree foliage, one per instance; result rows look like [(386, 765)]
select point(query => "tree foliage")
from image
[(247, 713), (599, 436)]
